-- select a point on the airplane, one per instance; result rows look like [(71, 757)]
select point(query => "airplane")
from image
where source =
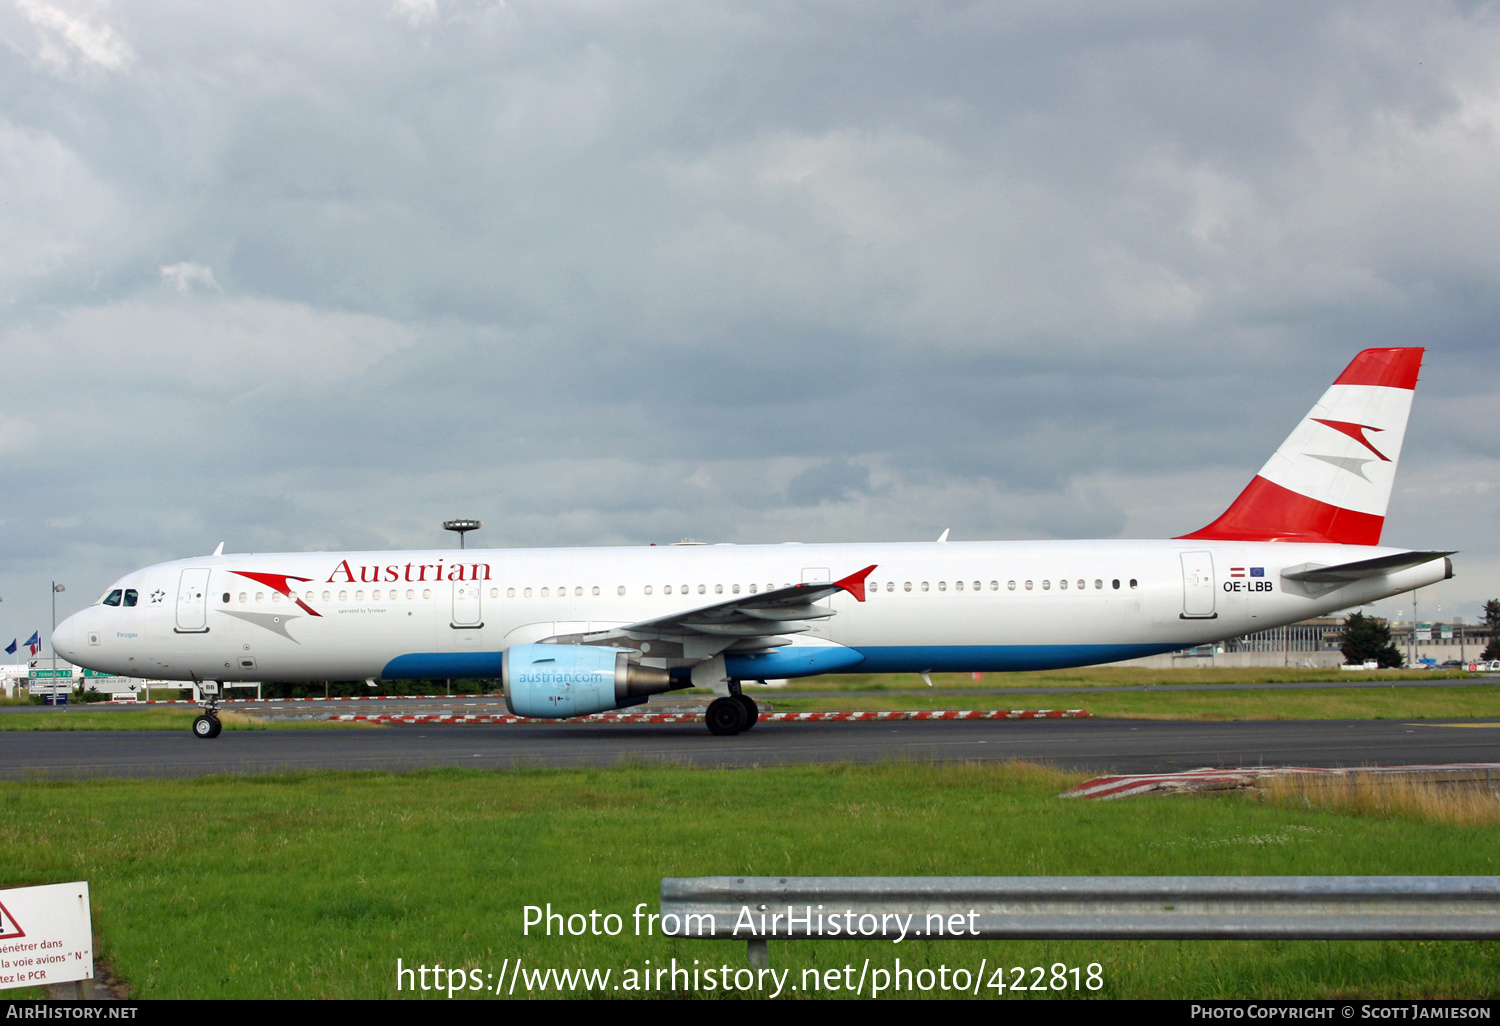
[(576, 631)]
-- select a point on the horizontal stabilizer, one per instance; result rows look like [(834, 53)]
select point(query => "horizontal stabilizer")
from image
[(1343, 573)]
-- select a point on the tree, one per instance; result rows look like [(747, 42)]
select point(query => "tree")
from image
[(1492, 621), (1369, 637)]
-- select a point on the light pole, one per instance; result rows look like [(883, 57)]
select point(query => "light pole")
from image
[(462, 527), (55, 589)]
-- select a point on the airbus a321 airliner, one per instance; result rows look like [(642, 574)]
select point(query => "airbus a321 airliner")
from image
[(578, 631)]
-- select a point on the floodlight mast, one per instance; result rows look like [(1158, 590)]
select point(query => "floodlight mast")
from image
[(462, 527)]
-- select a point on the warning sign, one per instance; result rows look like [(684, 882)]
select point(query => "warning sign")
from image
[(46, 935), (8, 927)]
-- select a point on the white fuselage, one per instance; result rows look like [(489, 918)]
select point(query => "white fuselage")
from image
[(952, 606)]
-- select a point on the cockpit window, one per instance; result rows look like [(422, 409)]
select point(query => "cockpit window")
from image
[(113, 598), (130, 596)]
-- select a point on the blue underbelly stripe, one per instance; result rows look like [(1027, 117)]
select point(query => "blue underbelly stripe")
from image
[(811, 660), (432, 665)]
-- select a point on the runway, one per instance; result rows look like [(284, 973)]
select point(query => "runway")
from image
[(1096, 746)]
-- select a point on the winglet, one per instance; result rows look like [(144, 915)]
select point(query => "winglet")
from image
[(854, 584), (220, 550)]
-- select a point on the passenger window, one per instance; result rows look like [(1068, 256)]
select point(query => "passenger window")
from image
[(1028, 585), (260, 596), (578, 591), (596, 589), (545, 592), (648, 589), (495, 592), (1132, 582), (684, 589), (1116, 583), (718, 589), (890, 585), (527, 593), (702, 590), (246, 598), (343, 596), (752, 589), (906, 586), (427, 593), (226, 598), (113, 598), (942, 585), (359, 596), (1098, 584), (874, 587), (327, 596), (924, 585), (1082, 585), (1063, 585), (994, 584), (1046, 585), (1009, 584), (620, 590), (958, 585), (667, 590)]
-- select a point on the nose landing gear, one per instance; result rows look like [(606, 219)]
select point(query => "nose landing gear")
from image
[(208, 725)]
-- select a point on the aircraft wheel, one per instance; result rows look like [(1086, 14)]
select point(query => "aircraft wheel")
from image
[(725, 716), (207, 727), (752, 711)]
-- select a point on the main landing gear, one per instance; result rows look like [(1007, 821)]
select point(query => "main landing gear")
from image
[(733, 713), (208, 725)]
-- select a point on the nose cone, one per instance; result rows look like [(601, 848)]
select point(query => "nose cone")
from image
[(69, 639)]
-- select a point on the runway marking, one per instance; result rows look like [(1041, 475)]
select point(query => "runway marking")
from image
[(1236, 778), (1491, 725), (775, 717)]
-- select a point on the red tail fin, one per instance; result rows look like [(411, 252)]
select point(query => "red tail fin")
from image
[(1331, 479)]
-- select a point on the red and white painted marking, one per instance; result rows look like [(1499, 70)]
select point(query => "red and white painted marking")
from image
[(334, 698), (1224, 779), (773, 717)]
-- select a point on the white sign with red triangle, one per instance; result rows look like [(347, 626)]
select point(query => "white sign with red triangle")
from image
[(8, 926), (46, 935)]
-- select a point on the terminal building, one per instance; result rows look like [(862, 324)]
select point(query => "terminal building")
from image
[(1316, 644)]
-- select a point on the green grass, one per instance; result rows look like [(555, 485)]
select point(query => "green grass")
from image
[(1481, 701), (312, 885), (81, 718)]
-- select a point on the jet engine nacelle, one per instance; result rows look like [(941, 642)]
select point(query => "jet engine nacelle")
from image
[(575, 680)]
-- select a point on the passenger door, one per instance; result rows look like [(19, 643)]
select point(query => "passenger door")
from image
[(192, 601), (1198, 586)]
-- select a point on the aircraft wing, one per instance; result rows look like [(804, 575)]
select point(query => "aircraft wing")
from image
[(744, 623)]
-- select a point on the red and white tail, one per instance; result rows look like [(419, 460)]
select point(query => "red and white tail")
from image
[(1331, 479)]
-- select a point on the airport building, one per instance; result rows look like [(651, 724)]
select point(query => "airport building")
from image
[(1316, 643), (39, 676)]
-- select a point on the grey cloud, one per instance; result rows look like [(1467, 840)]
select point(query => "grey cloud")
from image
[(729, 271)]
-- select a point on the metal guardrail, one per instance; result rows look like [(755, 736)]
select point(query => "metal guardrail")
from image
[(755, 909)]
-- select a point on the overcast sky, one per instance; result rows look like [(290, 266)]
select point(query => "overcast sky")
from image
[(293, 276)]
